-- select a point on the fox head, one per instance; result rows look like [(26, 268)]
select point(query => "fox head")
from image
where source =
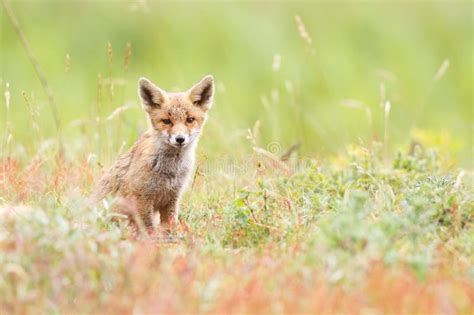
[(177, 117)]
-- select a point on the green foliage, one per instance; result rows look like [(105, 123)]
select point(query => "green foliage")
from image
[(340, 218), (358, 213)]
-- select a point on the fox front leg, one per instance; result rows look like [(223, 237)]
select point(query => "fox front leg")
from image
[(169, 215), (144, 218)]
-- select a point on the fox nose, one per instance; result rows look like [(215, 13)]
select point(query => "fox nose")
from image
[(180, 139)]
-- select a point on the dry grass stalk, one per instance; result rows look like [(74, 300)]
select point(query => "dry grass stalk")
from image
[(67, 63), (128, 55), (302, 30)]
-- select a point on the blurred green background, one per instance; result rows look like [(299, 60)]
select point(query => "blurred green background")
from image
[(317, 89)]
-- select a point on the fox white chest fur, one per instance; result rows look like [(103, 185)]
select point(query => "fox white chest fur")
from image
[(168, 170), (151, 177)]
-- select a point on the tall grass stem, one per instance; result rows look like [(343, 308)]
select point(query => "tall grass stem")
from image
[(38, 70)]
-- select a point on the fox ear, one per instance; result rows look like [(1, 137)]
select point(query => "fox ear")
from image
[(202, 93), (152, 96)]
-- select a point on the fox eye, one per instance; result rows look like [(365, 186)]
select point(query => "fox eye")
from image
[(166, 121), (189, 120)]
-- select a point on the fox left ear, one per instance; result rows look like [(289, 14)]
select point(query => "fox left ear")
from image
[(202, 93)]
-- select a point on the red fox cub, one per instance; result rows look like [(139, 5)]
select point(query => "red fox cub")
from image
[(151, 177)]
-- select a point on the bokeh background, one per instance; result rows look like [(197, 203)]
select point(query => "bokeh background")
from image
[(319, 74)]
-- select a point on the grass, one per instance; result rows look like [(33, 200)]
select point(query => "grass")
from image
[(350, 235), (331, 176)]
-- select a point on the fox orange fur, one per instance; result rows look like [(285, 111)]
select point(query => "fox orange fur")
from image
[(151, 177)]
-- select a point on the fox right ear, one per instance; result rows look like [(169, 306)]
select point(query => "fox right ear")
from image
[(152, 96)]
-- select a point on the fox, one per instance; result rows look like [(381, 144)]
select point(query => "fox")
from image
[(151, 177)]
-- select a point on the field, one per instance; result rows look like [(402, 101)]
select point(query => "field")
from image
[(334, 175)]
